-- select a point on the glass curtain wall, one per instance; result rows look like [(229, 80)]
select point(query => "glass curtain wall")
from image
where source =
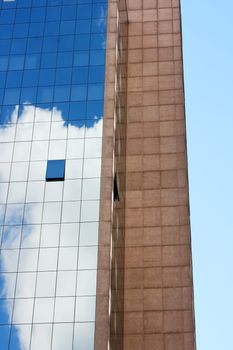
[(52, 67)]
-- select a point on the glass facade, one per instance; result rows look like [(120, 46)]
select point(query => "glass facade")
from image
[(52, 68)]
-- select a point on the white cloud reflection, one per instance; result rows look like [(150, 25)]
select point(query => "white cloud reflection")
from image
[(81, 146)]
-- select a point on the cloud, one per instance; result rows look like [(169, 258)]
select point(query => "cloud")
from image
[(33, 142)]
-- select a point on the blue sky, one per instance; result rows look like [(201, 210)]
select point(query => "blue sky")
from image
[(208, 64)]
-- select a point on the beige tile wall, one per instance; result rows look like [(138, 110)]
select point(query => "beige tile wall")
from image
[(110, 276), (158, 291), (158, 276)]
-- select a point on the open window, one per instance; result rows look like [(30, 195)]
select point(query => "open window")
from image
[(55, 170), (116, 196)]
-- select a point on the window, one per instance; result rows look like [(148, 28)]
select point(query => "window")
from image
[(55, 170), (116, 196)]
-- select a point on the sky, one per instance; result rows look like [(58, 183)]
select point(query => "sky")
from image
[(208, 66)]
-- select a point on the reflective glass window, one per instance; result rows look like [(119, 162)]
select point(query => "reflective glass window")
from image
[(36, 29), (15, 339), (67, 27), (84, 11), (97, 57), (53, 191), (91, 189), (90, 211), (57, 149), (64, 309), (41, 334), (22, 15), (35, 191), (23, 311), (72, 190), (62, 336), (77, 110), (83, 26), (38, 14), (30, 236), (11, 236), (22, 151), (50, 44), (47, 76), (66, 43), (52, 28), (64, 59), (82, 42), (41, 131), (98, 41), (93, 148), (37, 170), (32, 61), (50, 235), (92, 168), (55, 170), (67, 258), (39, 150), (75, 149), (71, 211), (69, 234), (68, 12), (81, 58), (43, 310), (48, 259), (14, 79), (14, 213), (66, 283), (85, 309), (87, 258), (84, 334), (74, 168), (30, 78), (53, 13), (86, 284), (33, 213), (28, 260), (48, 59), (52, 212), (18, 46), (45, 285), (34, 45), (21, 30), (26, 283)]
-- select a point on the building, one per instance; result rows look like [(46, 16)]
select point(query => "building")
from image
[(94, 213)]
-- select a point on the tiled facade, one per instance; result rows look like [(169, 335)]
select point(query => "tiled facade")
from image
[(157, 288)]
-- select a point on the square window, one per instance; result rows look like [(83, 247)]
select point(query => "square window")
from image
[(55, 170)]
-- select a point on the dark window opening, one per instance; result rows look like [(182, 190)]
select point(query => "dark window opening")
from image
[(55, 170), (116, 196)]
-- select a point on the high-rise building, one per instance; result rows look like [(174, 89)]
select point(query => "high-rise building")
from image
[(94, 211)]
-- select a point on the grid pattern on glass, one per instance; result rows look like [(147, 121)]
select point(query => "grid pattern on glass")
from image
[(52, 66)]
